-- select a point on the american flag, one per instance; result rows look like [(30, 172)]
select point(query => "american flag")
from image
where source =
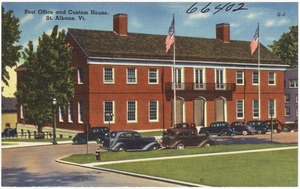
[(170, 39), (255, 41)]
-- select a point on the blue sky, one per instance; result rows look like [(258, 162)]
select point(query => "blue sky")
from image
[(155, 18)]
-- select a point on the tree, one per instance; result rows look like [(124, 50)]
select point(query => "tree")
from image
[(48, 75), (287, 47), (10, 35)]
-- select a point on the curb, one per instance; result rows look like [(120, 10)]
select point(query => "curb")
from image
[(182, 183)]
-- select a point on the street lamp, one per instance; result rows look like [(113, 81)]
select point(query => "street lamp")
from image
[(109, 115), (54, 120)]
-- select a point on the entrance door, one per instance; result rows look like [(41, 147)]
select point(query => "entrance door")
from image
[(219, 109), (179, 111), (199, 109)]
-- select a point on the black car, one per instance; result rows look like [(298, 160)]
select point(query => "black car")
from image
[(260, 126), (129, 141), (9, 132), (242, 129), (97, 134), (277, 126), (218, 128), (181, 137)]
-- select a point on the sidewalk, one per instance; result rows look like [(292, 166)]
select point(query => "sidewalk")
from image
[(30, 144)]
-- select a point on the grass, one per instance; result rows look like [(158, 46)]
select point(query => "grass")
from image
[(151, 133), (114, 156), (264, 169)]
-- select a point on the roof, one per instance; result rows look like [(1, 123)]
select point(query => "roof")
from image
[(9, 105), (97, 43)]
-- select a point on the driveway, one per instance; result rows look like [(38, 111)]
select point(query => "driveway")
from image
[(36, 166)]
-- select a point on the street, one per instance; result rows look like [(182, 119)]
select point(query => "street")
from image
[(36, 166)]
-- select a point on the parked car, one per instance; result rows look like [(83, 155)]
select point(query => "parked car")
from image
[(260, 126), (191, 126), (9, 132), (180, 138), (241, 128), (277, 126), (218, 128), (97, 134), (129, 141)]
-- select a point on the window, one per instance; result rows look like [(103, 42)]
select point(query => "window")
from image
[(272, 108), (293, 83), (70, 113), (255, 78), (287, 98), (287, 111), (131, 76), (240, 109), (60, 114), (199, 78), (109, 112), (240, 78), (296, 98), (153, 76), (80, 112), (80, 75), (272, 77), (255, 108), (108, 75), (219, 79), (178, 78), (131, 111), (153, 110)]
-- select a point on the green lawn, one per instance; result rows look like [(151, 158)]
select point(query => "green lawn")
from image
[(263, 169), (114, 156)]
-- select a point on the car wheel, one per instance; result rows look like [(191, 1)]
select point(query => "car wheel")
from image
[(121, 148), (225, 133), (245, 132), (155, 147), (99, 141), (180, 146), (259, 132), (275, 131), (75, 141)]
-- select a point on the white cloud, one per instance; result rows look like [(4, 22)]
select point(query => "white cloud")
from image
[(195, 16), (276, 22), (254, 16), (26, 18), (135, 23)]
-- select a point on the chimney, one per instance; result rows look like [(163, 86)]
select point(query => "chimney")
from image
[(121, 24), (223, 32)]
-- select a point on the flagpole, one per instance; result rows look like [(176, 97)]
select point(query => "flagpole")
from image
[(258, 59), (174, 79)]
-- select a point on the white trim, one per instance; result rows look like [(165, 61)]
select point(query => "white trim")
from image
[(243, 78), (136, 110), (193, 64), (157, 111), (113, 75), (136, 79), (79, 106), (113, 107), (274, 78), (157, 74), (243, 108)]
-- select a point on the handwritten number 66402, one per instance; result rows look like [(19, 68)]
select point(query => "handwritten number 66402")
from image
[(227, 7)]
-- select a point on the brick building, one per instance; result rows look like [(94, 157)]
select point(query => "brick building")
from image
[(291, 95), (131, 76)]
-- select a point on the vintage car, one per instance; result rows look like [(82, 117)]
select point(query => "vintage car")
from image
[(277, 126), (97, 134), (218, 128), (260, 126), (242, 129), (190, 126), (129, 141), (180, 138), (9, 132)]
